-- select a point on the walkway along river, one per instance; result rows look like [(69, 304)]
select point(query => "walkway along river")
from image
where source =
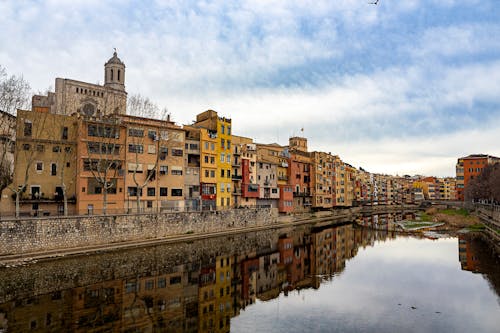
[(306, 277)]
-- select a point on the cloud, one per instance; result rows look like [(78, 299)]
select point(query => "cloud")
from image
[(357, 77)]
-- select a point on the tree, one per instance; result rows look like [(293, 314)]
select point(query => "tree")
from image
[(15, 92), (485, 186), (140, 106), (7, 144), (31, 125), (143, 107), (104, 159)]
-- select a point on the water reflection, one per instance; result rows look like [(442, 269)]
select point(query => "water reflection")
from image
[(190, 287)]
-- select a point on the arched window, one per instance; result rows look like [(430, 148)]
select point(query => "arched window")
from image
[(118, 75), (111, 75)]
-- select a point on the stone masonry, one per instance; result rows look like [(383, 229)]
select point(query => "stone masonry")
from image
[(44, 234)]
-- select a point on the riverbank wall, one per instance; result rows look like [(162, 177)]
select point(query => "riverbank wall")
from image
[(36, 235), (42, 234), (490, 217)]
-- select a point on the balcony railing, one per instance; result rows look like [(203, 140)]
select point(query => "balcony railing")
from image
[(301, 194), (236, 177), (284, 178)]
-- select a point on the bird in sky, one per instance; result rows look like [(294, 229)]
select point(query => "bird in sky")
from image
[(374, 3)]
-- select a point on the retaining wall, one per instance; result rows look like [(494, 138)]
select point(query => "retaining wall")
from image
[(43, 234)]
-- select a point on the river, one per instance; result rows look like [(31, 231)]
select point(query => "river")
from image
[(341, 278)]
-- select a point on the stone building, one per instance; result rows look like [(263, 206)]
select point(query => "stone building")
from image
[(72, 96)]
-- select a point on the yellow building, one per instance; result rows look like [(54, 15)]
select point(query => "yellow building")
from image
[(45, 164), (218, 131), (154, 163)]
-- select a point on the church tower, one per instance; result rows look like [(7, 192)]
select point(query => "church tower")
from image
[(114, 73)]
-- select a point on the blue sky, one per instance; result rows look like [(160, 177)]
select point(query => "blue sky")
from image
[(403, 87)]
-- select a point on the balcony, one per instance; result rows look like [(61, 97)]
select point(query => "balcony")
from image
[(301, 194), (283, 178), (236, 177)]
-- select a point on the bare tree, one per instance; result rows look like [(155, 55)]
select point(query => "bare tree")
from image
[(26, 152), (7, 144), (143, 107), (485, 186), (104, 159), (15, 92), (140, 106)]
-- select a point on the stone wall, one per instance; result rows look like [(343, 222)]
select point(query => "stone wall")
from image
[(43, 234)]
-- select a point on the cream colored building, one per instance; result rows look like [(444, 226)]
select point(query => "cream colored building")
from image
[(93, 100)]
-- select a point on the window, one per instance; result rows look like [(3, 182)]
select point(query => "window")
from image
[(163, 169), (222, 187), (151, 149), (163, 191), (212, 173), (228, 187), (206, 159), (28, 127), (177, 152), (149, 285), (139, 149), (222, 172), (151, 191), (212, 160), (64, 135), (56, 149), (206, 173), (212, 146), (53, 169), (163, 153), (132, 191), (228, 144), (152, 135), (223, 143), (68, 149), (136, 132), (222, 157), (206, 145), (40, 148), (26, 146), (228, 158), (229, 130), (176, 192), (222, 129), (175, 280), (228, 173), (39, 166), (162, 282), (176, 171)]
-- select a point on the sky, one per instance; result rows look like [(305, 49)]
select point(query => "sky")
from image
[(402, 87)]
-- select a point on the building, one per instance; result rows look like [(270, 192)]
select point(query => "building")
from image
[(44, 164), (7, 144), (322, 180), (299, 173), (469, 167), (71, 96), (192, 193), (218, 132), (154, 163)]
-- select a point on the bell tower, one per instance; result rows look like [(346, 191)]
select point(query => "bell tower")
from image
[(114, 73)]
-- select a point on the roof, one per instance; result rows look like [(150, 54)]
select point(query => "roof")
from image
[(115, 60)]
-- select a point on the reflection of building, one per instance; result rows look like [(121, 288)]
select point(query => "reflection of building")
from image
[(468, 260), (189, 293)]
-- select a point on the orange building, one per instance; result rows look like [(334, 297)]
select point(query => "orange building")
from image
[(469, 167)]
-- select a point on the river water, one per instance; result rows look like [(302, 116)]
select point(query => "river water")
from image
[(302, 279)]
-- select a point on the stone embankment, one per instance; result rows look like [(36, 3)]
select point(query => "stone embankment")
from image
[(490, 217), (52, 236)]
